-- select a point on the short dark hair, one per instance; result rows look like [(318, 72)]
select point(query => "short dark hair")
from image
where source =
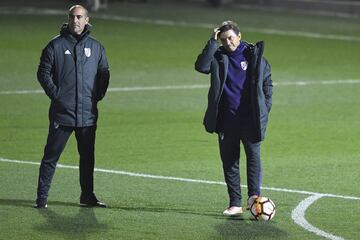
[(229, 25)]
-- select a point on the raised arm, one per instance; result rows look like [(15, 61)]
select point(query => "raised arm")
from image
[(203, 61)]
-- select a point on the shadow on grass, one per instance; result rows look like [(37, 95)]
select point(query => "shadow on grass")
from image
[(71, 227), (65, 224), (241, 228), (30, 203), (168, 210)]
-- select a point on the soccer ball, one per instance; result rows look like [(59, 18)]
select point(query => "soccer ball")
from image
[(263, 208)]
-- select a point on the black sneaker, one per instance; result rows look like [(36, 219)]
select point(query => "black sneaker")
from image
[(90, 201), (40, 204)]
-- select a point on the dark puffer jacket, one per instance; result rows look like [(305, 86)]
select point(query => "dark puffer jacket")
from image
[(213, 60), (74, 73)]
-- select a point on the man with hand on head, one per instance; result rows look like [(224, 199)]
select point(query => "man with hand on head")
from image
[(74, 74), (239, 102)]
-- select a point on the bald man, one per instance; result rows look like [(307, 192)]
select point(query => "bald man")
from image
[(74, 74)]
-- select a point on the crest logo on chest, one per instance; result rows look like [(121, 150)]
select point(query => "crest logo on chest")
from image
[(244, 65), (87, 52)]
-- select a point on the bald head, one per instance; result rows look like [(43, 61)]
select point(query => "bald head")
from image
[(78, 6), (78, 18)]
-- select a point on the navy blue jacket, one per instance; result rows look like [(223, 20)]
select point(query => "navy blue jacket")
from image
[(74, 73), (213, 61)]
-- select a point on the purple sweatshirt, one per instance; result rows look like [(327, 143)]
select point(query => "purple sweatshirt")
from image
[(236, 95)]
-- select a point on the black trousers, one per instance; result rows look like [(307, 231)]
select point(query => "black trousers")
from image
[(229, 142), (56, 141)]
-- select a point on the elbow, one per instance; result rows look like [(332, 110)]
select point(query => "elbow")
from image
[(201, 69)]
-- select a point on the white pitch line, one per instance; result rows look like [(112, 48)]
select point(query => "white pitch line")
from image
[(21, 92), (267, 31), (298, 215), (149, 88), (195, 86), (132, 174), (36, 11), (322, 82)]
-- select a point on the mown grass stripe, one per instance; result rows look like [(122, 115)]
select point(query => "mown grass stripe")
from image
[(195, 86), (37, 11)]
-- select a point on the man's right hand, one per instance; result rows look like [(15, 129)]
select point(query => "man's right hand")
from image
[(215, 34)]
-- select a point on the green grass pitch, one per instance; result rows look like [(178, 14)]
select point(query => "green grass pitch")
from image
[(312, 141)]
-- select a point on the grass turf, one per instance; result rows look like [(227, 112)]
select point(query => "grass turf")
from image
[(311, 141)]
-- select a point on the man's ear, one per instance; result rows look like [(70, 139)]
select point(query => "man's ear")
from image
[(239, 35), (87, 20)]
